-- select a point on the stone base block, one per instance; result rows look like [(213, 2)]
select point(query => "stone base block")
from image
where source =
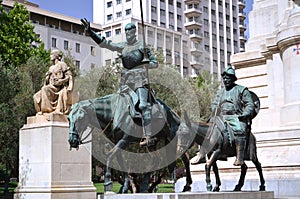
[(202, 195), (47, 168)]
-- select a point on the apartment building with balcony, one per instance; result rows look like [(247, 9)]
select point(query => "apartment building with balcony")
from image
[(216, 29), (195, 35), (63, 33), (164, 27)]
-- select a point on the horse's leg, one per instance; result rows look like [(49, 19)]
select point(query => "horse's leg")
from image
[(107, 180), (189, 180), (212, 160), (239, 186), (145, 183), (157, 182), (126, 184), (262, 186), (217, 176)]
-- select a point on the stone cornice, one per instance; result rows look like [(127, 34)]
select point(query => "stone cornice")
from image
[(247, 59)]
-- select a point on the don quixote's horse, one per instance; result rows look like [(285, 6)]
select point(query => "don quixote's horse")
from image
[(112, 116), (217, 147)]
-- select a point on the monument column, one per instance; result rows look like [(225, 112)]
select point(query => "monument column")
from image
[(289, 45)]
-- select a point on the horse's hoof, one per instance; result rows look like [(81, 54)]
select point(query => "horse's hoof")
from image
[(262, 188), (108, 186), (216, 189), (186, 188), (209, 187)]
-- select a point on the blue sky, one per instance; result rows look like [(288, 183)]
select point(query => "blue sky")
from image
[(74, 8)]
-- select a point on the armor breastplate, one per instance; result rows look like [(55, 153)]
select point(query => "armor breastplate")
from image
[(132, 56)]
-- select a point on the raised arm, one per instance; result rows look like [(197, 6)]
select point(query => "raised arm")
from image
[(101, 41)]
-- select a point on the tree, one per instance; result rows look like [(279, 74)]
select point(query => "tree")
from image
[(23, 63)]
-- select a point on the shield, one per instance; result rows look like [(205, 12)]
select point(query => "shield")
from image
[(256, 102)]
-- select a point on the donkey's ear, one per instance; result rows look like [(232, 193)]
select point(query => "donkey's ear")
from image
[(187, 119)]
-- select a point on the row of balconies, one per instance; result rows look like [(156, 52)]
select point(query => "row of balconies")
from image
[(241, 4)]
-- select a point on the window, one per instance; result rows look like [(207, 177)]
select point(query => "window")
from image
[(77, 64), (107, 62), (168, 38), (119, 1), (128, 0), (171, 15), (205, 22), (109, 17), (77, 47), (53, 42), (206, 47), (66, 44), (168, 52), (214, 50), (150, 33), (184, 43), (221, 39), (227, 29), (159, 36), (206, 34), (153, 9), (213, 12), (214, 36), (178, 4), (109, 4), (108, 33), (119, 14), (128, 11), (162, 12), (163, 24), (93, 50), (171, 3), (118, 31), (179, 17), (205, 9), (93, 65)]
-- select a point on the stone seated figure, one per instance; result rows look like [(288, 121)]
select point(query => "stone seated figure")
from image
[(56, 94)]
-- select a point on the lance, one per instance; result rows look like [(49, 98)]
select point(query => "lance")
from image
[(145, 58)]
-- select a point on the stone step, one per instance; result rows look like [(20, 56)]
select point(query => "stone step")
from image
[(189, 195)]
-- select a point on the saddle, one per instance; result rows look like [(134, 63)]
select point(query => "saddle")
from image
[(126, 103)]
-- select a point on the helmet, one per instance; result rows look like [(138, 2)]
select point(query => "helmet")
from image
[(229, 71)]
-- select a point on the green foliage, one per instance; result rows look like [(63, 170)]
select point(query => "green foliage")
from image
[(99, 82), (23, 63), (205, 86), (70, 61), (17, 36)]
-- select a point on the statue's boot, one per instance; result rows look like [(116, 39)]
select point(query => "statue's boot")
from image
[(240, 143), (198, 159), (148, 140)]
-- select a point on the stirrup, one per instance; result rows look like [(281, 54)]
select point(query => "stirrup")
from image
[(148, 141), (237, 162)]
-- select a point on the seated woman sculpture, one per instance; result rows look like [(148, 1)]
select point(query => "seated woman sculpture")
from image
[(56, 94)]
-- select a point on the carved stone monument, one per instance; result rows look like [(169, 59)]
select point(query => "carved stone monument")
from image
[(270, 68), (47, 168)]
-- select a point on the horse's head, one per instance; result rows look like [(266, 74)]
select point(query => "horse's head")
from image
[(78, 122), (185, 135)]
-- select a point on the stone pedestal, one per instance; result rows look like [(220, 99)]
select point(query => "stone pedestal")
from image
[(47, 168)]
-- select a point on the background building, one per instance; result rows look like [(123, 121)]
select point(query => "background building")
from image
[(64, 33), (194, 35)]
